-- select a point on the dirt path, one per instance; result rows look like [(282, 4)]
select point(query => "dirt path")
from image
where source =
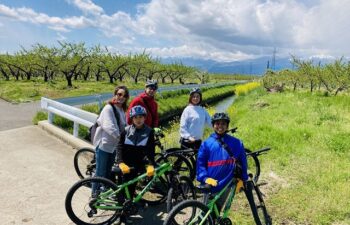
[(17, 115)]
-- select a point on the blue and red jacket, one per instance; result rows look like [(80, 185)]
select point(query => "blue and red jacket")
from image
[(215, 162)]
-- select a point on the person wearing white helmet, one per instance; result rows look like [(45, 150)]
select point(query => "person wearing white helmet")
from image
[(193, 120)]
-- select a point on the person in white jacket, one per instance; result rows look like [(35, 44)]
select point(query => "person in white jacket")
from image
[(111, 123), (193, 120)]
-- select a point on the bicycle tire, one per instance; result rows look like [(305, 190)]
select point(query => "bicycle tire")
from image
[(253, 166), (257, 204), (180, 164), (85, 162), (178, 215), (183, 190), (82, 190)]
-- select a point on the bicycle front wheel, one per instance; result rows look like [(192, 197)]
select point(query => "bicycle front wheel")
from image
[(253, 166), (84, 207), (85, 162), (179, 192), (189, 212)]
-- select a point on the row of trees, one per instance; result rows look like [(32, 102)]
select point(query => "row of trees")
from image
[(77, 62), (333, 77)]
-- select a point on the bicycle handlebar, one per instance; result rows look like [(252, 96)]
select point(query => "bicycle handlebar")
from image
[(259, 152)]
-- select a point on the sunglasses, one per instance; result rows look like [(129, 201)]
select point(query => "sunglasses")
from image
[(120, 95)]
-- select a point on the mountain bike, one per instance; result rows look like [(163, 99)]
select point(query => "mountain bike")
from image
[(111, 201), (209, 212)]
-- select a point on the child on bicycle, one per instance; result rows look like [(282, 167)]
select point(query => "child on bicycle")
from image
[(136, 147), (218, 157)]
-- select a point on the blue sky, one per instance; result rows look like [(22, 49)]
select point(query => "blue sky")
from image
[(220, 30)]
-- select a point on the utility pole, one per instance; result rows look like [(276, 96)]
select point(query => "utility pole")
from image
[(273, 66)]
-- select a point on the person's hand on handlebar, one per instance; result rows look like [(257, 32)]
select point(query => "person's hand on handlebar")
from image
[(211, 182), (124, 168)]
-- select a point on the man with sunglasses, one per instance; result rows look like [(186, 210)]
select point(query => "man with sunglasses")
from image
[(147, 100)]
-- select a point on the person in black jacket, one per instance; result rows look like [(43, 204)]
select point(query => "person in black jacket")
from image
[(136, 147)]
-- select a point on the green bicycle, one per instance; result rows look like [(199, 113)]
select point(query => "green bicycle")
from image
[(111, 201), (210, 211)]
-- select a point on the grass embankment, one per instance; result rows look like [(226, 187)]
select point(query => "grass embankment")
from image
[(308, 168)]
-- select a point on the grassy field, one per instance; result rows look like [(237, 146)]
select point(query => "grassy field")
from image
[(308, 169)]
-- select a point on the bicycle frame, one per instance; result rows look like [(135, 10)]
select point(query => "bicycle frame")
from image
[(104, 197), (212, 203)]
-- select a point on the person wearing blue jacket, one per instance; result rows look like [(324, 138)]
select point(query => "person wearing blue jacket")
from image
[(218, 157), (219, 154)]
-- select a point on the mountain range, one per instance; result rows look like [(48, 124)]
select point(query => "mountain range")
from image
[(255, 67)]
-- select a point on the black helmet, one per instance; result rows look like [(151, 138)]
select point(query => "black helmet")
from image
[(152, 84), (196, 90), (220, 116)]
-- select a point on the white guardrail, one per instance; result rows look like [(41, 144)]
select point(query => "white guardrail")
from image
[(78, 116), (64, 108)]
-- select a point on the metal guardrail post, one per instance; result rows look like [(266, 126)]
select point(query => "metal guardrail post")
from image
[(76, 129), (50, 117)]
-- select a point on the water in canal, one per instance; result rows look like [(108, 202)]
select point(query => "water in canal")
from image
[(224, 104)]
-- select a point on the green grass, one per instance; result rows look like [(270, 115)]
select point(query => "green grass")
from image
[(308, 169)]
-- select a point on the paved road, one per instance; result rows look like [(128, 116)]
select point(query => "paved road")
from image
[(35, 173), (17, 115)]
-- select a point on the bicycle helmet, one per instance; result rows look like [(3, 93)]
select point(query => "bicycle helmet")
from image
[(196, 90), (152, 84), (220, 116), (137, 110)]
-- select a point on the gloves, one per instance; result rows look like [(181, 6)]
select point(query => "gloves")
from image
[(125, 169), (240, 186), (150, 170), (211, 182)]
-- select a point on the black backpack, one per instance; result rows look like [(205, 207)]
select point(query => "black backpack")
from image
[(93, 128)]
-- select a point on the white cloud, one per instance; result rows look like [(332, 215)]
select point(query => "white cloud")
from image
[(56, 23), (88, 7), (224, 30)]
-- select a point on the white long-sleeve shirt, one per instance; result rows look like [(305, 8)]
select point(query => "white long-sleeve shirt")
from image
[(108, 133), (192, 122)]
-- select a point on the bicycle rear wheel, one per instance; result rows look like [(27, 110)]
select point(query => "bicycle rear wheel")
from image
[(84, 208), (189, 212), (253, 166), (85, 162), (258, 207), (182, 190)]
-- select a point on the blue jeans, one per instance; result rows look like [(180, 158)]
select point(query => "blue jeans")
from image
[(104, 163)]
